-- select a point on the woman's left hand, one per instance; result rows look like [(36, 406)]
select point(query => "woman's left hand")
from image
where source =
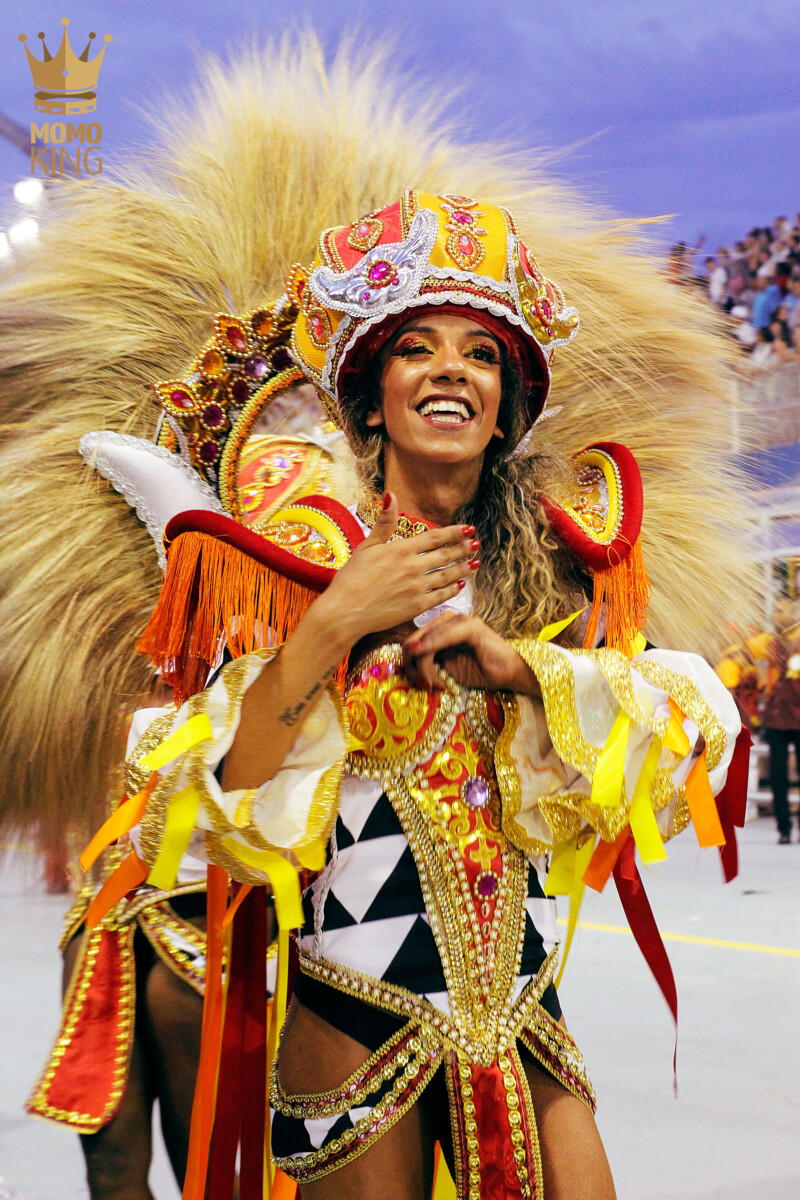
[(470, 651)]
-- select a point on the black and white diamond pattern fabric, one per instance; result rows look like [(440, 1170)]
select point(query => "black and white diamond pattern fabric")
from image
[(293, 1137), (366, 910)]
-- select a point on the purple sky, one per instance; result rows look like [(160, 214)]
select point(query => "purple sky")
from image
[(663, 106)]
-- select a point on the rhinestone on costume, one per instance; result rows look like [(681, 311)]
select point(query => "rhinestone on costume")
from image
[(263, 322), (281, 359), (213, 416), (476, 793), (382, 273), (240, 392), (365, 234), (486, 884), (465, 250), (318, 326), (182, 399), (212, 364), (256, 366), (208, 453), (235, 338)]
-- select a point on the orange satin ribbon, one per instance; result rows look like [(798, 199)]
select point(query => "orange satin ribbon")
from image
[(121, 821), (702, 807), (210, 1039), (129, 874)]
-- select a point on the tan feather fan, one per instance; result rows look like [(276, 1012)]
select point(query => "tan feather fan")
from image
[(120, 291)]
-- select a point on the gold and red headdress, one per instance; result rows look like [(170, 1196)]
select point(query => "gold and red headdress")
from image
[(424, 251)]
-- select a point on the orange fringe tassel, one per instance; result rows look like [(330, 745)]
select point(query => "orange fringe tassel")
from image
[(624, 589), (214, 594)]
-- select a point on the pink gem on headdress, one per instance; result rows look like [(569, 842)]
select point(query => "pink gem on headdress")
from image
[(382, 273), (462, 217), (208, 453)]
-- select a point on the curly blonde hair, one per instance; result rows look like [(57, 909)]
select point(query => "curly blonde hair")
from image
[(526, 578)]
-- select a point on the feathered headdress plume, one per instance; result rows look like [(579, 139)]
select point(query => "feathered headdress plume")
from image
[(120, 291)]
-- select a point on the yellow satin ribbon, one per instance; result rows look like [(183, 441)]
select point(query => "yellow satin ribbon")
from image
[(565, 877), (638, 645), (553, 630), (282, 877), (609, 772), (178, 828), (196, 729), (675, 738), (642, 818)]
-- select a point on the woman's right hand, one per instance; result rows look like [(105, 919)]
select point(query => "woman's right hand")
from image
[(387, 583)]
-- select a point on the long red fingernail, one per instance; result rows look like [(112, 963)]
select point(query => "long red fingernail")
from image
[(386, 501), (468, 530), (475, 544), (473, 564)]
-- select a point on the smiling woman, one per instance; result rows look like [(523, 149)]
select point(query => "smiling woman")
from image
[(430, 701), (424, 1009)]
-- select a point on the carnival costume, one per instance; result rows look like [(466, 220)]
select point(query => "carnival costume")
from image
[(429, 817)]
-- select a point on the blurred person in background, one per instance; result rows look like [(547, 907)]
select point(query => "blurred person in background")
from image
[(782, 709), (717, 280), (783, 349), (763, 355)]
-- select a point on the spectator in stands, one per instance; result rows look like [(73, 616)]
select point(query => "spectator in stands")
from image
[(761, 307), (763, 354), (717, 280), (793, 318), (782, 343)]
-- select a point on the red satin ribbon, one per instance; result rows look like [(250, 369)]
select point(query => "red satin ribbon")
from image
[(732, 803), (241, 1092), (644, 929)]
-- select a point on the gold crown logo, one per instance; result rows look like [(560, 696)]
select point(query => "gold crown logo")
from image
[(65, 82)]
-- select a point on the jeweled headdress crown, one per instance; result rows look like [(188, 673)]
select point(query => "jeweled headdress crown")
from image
[(423, 250)]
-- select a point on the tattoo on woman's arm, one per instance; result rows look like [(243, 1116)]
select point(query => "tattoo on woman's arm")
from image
[(290, 716)]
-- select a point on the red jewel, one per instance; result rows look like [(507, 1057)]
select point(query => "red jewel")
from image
[(208, 453), (317, 327), (281, 359), (181, 399), (236, 338), (213, 416), (240, 392), (466, 244)]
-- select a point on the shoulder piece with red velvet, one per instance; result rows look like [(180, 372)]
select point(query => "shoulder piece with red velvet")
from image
[(599, 518), (226, 584)]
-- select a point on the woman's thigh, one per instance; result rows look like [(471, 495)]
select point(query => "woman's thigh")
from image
[(174, 1016), (315, 1057), (574, 1163)]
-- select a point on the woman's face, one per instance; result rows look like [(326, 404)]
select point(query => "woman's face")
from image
[(440, 389)]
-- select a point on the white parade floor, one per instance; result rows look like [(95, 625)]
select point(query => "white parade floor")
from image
[(732, 1134)]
